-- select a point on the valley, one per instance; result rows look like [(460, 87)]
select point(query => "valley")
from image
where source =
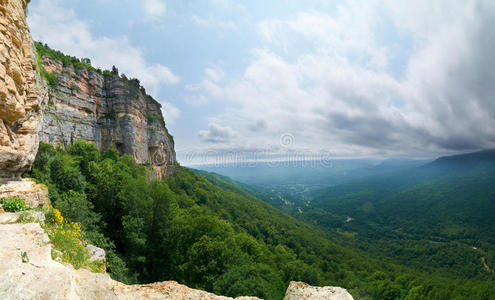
[(425, 216)]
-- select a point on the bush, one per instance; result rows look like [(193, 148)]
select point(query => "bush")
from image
[(13, 204), (67, 241), (50, 77)]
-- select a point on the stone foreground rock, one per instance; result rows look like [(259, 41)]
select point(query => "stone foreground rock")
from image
[(34, 195), (301, 290), (22, 92)]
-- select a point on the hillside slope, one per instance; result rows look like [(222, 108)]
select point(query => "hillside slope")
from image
[(437, 218)]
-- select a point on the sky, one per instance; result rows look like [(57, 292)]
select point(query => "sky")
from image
[(314, 79)]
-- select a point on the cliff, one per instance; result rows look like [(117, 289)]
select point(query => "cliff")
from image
[(108, 110), (103, 108), (22, 92)]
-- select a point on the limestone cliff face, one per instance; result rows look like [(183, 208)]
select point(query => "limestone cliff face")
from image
[(22, 92), (106, 110)]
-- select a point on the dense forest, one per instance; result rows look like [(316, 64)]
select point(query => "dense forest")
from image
[(435, 218), (204, 231)]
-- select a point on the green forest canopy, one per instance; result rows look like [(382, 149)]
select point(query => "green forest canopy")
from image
[(202, 230)]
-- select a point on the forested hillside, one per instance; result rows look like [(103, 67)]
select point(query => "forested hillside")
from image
[(436, 218), (202, 230)]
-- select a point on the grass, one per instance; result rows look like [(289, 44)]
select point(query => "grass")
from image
[(13, 204)]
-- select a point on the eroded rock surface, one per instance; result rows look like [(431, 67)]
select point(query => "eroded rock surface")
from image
[(107, 110), (34, 195), (301, 290), (22, 92)]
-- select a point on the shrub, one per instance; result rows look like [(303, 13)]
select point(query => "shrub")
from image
[(50, 77), (67, 241), (13, 204)]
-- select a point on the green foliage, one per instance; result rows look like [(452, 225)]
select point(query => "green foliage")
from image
[(202, 230), (258, 280), (85, 63), (44, 50), (68, 241), (24, 257), (50, 77), (13, 204), (153, 117)]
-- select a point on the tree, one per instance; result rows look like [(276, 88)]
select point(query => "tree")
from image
[(115, 71)]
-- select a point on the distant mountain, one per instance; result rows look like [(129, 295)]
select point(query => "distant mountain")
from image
[(293, 172), (481, 160), (400, 163)]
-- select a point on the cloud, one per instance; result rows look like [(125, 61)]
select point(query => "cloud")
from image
[(348, 35), (154, 8), (170, 112), (196, 96), (258, 125), (212, 22), (62, 30), (336, 92), (217, 134)]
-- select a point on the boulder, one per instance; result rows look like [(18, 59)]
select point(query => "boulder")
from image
[(300, 290), (97, 254)]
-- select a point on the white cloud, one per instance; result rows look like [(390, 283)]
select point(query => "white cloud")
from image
[(336, 94), (62, 30), (348, 34), (154, 8), (213, 76), (217, 134), (170, 112)]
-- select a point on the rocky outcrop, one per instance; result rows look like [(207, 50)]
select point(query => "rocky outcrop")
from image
[(301, 290), (21, 92), (35, 275), (106, 110), (33, 194)]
